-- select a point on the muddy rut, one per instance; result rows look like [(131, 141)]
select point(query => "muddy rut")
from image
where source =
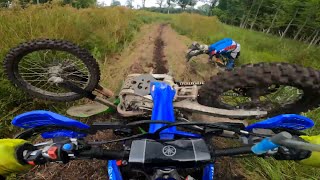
[(158, 49), (160, 66)]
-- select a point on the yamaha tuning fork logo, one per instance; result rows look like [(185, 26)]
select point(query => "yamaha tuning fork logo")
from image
[(169, 150)]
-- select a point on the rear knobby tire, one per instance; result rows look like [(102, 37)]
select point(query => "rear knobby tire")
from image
[(264, 75)]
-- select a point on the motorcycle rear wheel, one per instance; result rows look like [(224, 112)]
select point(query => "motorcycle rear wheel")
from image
[(298, 85)]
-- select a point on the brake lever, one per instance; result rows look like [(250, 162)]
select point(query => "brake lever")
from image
[(285, 139)]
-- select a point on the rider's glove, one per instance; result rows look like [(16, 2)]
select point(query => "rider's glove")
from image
[(314, 159), (11, 151)]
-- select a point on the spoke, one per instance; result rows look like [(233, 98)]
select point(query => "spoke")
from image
[(73, 64), (32, 68), (83, 69), (44, 55), (73, 74), (35, 73), (27, 69), (30, 76), (36, 80), (32, 63), (47, 88), (44, 85), (275, 94), (81, 82), (276, 104), (237, 101), (83, 79), (39, 55)]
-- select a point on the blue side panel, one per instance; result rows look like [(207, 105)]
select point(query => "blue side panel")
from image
[(162, 95), (40, 118), (208, 172), (286, 121), (113, 170)]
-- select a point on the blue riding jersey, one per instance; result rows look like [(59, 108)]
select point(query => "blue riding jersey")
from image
[(223, 46), (228, 48)]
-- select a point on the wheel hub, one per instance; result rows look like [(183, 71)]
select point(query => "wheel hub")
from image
[(54, 73)]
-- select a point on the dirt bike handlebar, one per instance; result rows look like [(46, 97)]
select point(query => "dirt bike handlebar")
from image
[(103, 154), (66, 151), (57, 154)]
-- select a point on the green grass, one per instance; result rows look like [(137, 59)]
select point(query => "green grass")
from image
[(259, 47)]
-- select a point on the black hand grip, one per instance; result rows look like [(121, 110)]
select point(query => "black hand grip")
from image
[(232, 151), (103, 154)]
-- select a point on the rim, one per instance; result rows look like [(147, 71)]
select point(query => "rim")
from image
[(267, 99), (36, 68)]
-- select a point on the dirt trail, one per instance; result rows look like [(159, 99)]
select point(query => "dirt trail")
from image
[(159, 48)]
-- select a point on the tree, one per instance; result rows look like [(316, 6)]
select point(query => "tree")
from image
[(278, 7), (115, 3), (296, 19), (129, 4), (143, 3), (206, 9), (160, 2), (256, 15), (83, 3), (170, 3), (212, 4), (4, 3), (184, 3), (192, 3)]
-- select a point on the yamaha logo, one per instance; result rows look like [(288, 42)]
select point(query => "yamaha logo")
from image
[(169, 150)]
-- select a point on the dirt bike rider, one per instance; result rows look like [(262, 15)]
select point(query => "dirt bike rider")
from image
[(225, 47), (11, 152)]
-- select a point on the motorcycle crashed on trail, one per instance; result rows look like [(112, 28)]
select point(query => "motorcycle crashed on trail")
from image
[(58, 70), (174, 146)]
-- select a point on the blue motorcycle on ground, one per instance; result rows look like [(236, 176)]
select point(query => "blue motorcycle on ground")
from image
[(169, 150)]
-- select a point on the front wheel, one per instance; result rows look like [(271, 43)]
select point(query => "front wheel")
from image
[(30, 66), (273, 87)]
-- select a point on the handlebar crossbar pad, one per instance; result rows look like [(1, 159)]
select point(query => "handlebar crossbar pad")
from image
[(174, 153)]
